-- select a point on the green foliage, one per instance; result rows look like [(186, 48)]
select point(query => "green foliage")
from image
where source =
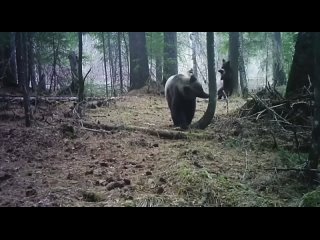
[(288, 43), (311, 199), (47, 42), (291, 159), (95, 90), (4, 39), (154, 44), (224, 43)]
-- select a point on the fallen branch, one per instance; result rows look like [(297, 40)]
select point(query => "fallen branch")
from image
[(95, 130), (155, 132), (86, 75), (293, 169)]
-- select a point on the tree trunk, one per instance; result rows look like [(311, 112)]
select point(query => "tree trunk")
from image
[(234, 59), (7, 54), (21, 40), (41, 75), (81, 81), (31, 65), (120, 63), (105, 62), (42, 80), (110, 63), (158, 69), (242, 70), (301, 65), (193, 38), (267, 57), (170, 57), (208, 115), (279, 76), (314, 154), (13, 59), (54, 65), (139, 69), (74, 66), (127, 56)]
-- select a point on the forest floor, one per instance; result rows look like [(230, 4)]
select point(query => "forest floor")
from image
[(50, 165)]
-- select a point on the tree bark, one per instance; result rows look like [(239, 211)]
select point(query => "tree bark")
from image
[(242, 70), (105, 62), (193, 38), (158, 69), (73, 59), (302, 65), (314, 154), (81, 81), (234, 59), (31, 65), (170, 57), (127, 57), (279, 76), (120, 63), (13, 59), (209, 114), (21, 40), (139, 69), (110, 63)]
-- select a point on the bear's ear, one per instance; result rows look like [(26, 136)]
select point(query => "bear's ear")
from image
[(221, 71), (223, 61), (193, 79)]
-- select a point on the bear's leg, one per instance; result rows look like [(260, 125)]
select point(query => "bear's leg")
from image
[(189, 110), (178, 116), (220, 93)]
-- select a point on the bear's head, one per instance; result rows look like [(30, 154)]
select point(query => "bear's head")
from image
[(192, 88)]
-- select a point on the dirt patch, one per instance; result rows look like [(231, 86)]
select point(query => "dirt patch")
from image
[(56, 163)]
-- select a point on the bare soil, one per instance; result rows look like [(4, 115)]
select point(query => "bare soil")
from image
[(58, 163)]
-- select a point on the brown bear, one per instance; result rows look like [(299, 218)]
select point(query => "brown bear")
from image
[(181, 92)]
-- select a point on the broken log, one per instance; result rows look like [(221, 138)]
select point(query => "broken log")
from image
[(166, 134)]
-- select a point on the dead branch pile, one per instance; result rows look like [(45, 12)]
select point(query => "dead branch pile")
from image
[(268, 104)]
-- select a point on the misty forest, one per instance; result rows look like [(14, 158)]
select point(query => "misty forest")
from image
[(159, 119)]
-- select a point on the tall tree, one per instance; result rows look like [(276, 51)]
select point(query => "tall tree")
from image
[(139, 69), (170, 56), (120, 62), (112, 68), (208, 115), (314, 154), (31, 62), (127, 55), (279, 75), (7, 54), (74, 62), (22, 67), (13, 59), (242, 70), (105, 62), (193, 37), (234, 44), (81, 81), (301, 68)]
